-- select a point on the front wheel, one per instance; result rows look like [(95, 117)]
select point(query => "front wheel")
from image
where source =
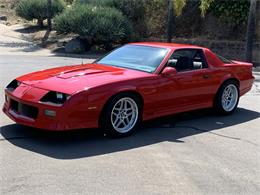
[(227, 98), (122, 115)]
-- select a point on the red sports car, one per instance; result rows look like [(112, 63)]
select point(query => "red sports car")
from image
[(138, 81)]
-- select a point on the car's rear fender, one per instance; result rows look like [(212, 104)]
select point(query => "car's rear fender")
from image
[(242, 74)]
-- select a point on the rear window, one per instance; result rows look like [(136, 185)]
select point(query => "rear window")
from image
[(224, 60)]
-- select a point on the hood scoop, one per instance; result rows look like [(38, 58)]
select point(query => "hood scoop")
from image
[(78, 73)]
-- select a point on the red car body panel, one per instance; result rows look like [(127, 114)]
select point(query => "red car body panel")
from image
[(92, 85)]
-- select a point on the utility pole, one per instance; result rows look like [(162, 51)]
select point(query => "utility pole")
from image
[(250, 31)]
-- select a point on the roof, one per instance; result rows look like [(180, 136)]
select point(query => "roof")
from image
[(167, 45)]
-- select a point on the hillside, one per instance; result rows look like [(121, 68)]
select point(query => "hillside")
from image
[(7, 10)]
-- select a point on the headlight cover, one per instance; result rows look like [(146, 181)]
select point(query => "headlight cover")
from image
[(13, 85), (55, 98)]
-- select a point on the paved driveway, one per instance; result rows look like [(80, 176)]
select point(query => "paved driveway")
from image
[(190, 153)]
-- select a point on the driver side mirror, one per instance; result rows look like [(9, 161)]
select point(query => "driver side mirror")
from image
[(169, 71)]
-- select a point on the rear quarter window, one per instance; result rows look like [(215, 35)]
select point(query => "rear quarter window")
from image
[(224, 60)]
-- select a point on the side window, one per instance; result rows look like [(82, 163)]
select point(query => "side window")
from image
[(187, 59)]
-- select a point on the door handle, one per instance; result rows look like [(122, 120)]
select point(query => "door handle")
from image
[(205, 76)]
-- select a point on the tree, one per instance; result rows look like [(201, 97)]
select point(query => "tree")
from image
[(178, 5), (37, 9), (170, 21), (175, 8), (250, 30), (49, 15)]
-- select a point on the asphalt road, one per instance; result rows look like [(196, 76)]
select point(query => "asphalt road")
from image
[(191, 153)]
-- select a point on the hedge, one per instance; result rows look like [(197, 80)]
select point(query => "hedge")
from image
[(98, 25)]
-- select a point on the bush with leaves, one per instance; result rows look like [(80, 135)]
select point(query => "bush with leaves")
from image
[(98, 25), (232, 11), (133, 9), (37, 9)]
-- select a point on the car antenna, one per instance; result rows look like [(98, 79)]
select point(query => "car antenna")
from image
[(82, 61)]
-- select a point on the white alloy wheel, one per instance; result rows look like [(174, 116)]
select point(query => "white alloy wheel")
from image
[(229, 97), (124, 115)]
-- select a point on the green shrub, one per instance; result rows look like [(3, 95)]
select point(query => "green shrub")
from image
[(133, 9), (232, 11), (98, 25), (37, 9)]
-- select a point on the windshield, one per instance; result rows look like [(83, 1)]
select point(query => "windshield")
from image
[(143, 58)]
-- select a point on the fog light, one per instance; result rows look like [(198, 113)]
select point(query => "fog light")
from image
[(51, 113)]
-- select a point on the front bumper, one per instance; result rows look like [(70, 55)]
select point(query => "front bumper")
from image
[(33, 113)]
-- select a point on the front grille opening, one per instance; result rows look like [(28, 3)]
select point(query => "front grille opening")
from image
[(14, 105), (24, 109)]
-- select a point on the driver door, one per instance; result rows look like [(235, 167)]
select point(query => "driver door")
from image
[(191, 87)]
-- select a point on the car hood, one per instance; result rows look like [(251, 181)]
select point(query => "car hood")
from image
[(72, 79)]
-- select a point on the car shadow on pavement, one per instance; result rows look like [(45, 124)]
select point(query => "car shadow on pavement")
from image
[(91, 142)]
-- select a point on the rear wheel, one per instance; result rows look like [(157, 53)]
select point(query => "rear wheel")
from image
[(122, 115), (227, 98)]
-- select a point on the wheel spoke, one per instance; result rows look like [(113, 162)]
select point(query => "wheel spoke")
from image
[(115, 114), (125, 105), (129, 114), (117, 109), (123, 121), (226, 103), (227, 91), (127, 120), (119, 105), (117, 122)]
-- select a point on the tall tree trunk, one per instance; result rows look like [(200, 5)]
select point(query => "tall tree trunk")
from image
[(250, 31), (170, 21), (49, 5), (40, 23)]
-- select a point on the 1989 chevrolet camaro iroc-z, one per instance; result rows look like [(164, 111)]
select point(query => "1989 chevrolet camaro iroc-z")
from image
[(138, 81)]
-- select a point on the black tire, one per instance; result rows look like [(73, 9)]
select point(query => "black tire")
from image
[(106, 118), (219, 97)]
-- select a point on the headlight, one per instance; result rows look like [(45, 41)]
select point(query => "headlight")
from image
[(60, 96), (13, 85), (55, 98)]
